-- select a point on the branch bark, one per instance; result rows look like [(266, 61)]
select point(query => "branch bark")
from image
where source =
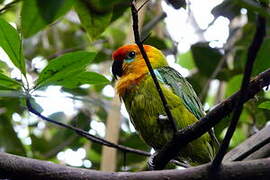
[(257, 146), (17, 167)]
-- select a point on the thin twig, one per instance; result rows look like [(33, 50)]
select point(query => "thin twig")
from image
[(252, 53), (84, 133), (138, 41)]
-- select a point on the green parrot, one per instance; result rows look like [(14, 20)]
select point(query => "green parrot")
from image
[(136, 88)]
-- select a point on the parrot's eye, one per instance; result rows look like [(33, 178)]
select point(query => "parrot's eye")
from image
[(131, 55)]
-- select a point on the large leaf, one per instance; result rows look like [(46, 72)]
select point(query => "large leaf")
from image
[(205, 58), (262, 61), (93, 21), (37, 14), (64, 68), (8, 83), (10, 41), (84, 78)]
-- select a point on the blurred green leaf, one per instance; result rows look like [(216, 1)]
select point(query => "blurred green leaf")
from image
[(9, 141), (262, 61), (239, 136), (94, 22), (8, 83), (265, 105), (37, 14), (64, 67), (254, 6), (233, 85), (186, 60), (205, 58), (10, 41), (157, 42), (228, 8), (3, 67), (84, 78)]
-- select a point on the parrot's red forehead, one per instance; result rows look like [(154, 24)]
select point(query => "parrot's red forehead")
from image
[(121, 52)]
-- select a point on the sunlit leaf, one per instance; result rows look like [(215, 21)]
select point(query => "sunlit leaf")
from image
[(233, 85), (10, 41), (94, 22), (265, 105), (37, 14), (8, 83), (64, 67), (84, 78), (186, 60)]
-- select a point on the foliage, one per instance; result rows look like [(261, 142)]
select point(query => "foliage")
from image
[(68, 44)]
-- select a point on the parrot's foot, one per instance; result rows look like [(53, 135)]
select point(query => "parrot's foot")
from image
[(150, 163)]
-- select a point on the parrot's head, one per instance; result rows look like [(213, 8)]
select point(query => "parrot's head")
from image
[(128, 60)]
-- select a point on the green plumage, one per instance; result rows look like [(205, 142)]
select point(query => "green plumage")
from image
[(146, 111)]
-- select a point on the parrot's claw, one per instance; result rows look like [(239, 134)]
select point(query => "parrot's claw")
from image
[(150, 163)]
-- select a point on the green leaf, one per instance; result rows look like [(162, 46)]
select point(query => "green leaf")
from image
[(8, 83), (10, 41), (157, 42), (94, 22), (84, 78), (8, 139), (205, 58), (233, 85), (228, 8), (262, 61), (186, 60), (265, 105), (37, 14), (64, 68)]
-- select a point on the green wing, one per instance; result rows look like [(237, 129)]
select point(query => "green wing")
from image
[(184, 90), (181, 88)]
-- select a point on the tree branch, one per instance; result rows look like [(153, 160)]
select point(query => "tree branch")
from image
[(251, 56), (85, 133), (138, 41), (250, 146), (193, 132), (16, 167)]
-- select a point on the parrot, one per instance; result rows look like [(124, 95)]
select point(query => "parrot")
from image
[(137, 90)]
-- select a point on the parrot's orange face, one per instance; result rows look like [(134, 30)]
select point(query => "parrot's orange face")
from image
[(130, 67), (128, 60)]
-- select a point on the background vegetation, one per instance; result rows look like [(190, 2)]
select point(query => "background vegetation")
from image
[(66, 45)]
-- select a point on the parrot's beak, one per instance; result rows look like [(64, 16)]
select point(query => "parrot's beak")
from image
[(117, 69)]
